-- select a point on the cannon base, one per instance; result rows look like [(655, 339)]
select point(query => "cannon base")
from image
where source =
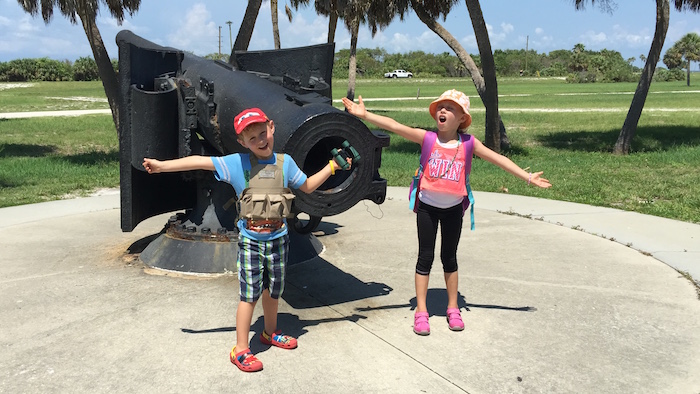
[(196, 257)]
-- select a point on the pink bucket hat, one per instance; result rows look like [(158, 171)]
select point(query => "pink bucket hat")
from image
[(247, 117), (458, 98)]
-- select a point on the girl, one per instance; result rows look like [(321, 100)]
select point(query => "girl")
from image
[(442, 191)]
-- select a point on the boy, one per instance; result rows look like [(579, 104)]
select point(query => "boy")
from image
[(263, 244)]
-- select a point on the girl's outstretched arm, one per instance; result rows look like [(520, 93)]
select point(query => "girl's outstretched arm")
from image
[(186, 163), (383, 122), (507, 164)]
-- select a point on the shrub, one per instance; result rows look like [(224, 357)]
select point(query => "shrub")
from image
[(52, 70), (665, 75), (582, 77), (85, 69)]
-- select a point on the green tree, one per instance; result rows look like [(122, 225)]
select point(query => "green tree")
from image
[(86, 11), (684, 51), (579, 58)]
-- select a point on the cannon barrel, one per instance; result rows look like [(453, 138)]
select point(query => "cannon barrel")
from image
[(175, 104)]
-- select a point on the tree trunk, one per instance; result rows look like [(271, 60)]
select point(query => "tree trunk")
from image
[(245, 32), (352, 71), (463, 57), (104, 65), (688, 72), (275, 24), (332, 21), (453, 43), (624, 140), (488, 65)]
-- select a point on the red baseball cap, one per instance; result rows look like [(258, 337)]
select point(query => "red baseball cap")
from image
[(248, 117)]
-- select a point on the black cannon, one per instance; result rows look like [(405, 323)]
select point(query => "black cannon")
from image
[(174, 104)]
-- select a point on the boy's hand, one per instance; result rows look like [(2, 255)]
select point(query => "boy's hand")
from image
[(152, 166), (537, 181), (338, 166), (355, 109)]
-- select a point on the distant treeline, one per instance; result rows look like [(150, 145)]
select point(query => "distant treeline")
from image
[(577, 66), (45, 69)]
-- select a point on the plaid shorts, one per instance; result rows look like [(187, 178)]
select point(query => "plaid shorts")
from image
[(261, 265)]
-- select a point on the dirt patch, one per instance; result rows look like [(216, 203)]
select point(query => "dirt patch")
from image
[(5, 85)]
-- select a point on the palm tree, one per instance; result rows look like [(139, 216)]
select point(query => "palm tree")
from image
[(275, 25), (354, 13), (329, 8), (245, 31), (428, 12), (629, 127), (86, 11), (492, 138), (685, 50)]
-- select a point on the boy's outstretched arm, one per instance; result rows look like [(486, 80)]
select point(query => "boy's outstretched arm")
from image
[(507, 164), (187, 163), (314, 181), (383, 122)]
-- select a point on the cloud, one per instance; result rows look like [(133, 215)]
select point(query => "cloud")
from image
[(403, 43), (591, 38), (300, 30), (198, 33), (498, 36), (507, 28), (633, 40)]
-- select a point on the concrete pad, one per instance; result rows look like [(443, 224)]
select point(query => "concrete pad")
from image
[(547, 309)]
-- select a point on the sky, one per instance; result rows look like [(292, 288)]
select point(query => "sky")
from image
[(200, 27)]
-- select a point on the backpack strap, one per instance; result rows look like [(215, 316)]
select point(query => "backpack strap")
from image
[(468, 144), (426, 147), (429, 139)]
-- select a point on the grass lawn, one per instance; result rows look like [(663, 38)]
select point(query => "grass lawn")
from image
[(565, 130)]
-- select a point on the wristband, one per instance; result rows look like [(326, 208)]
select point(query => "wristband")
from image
[(330, 162), (529, 179)]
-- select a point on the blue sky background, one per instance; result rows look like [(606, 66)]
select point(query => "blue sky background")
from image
[(545, 25)]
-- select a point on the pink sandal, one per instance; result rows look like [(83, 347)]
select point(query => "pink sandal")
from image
[(421, 324), (454, 319)]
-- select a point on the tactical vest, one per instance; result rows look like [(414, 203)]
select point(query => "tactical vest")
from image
[(265, 197)]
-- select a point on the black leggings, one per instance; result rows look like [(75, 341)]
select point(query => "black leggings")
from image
[(427, 219)]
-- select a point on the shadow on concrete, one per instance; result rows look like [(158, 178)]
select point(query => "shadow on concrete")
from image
[(318, 283), (290, 324), (437, 304)]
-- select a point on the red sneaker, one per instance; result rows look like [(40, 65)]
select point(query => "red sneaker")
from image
[(245, 360), (278, 339)]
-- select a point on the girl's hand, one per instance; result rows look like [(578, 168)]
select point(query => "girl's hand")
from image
[(536, 180), (152, 166), (355, 109)]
